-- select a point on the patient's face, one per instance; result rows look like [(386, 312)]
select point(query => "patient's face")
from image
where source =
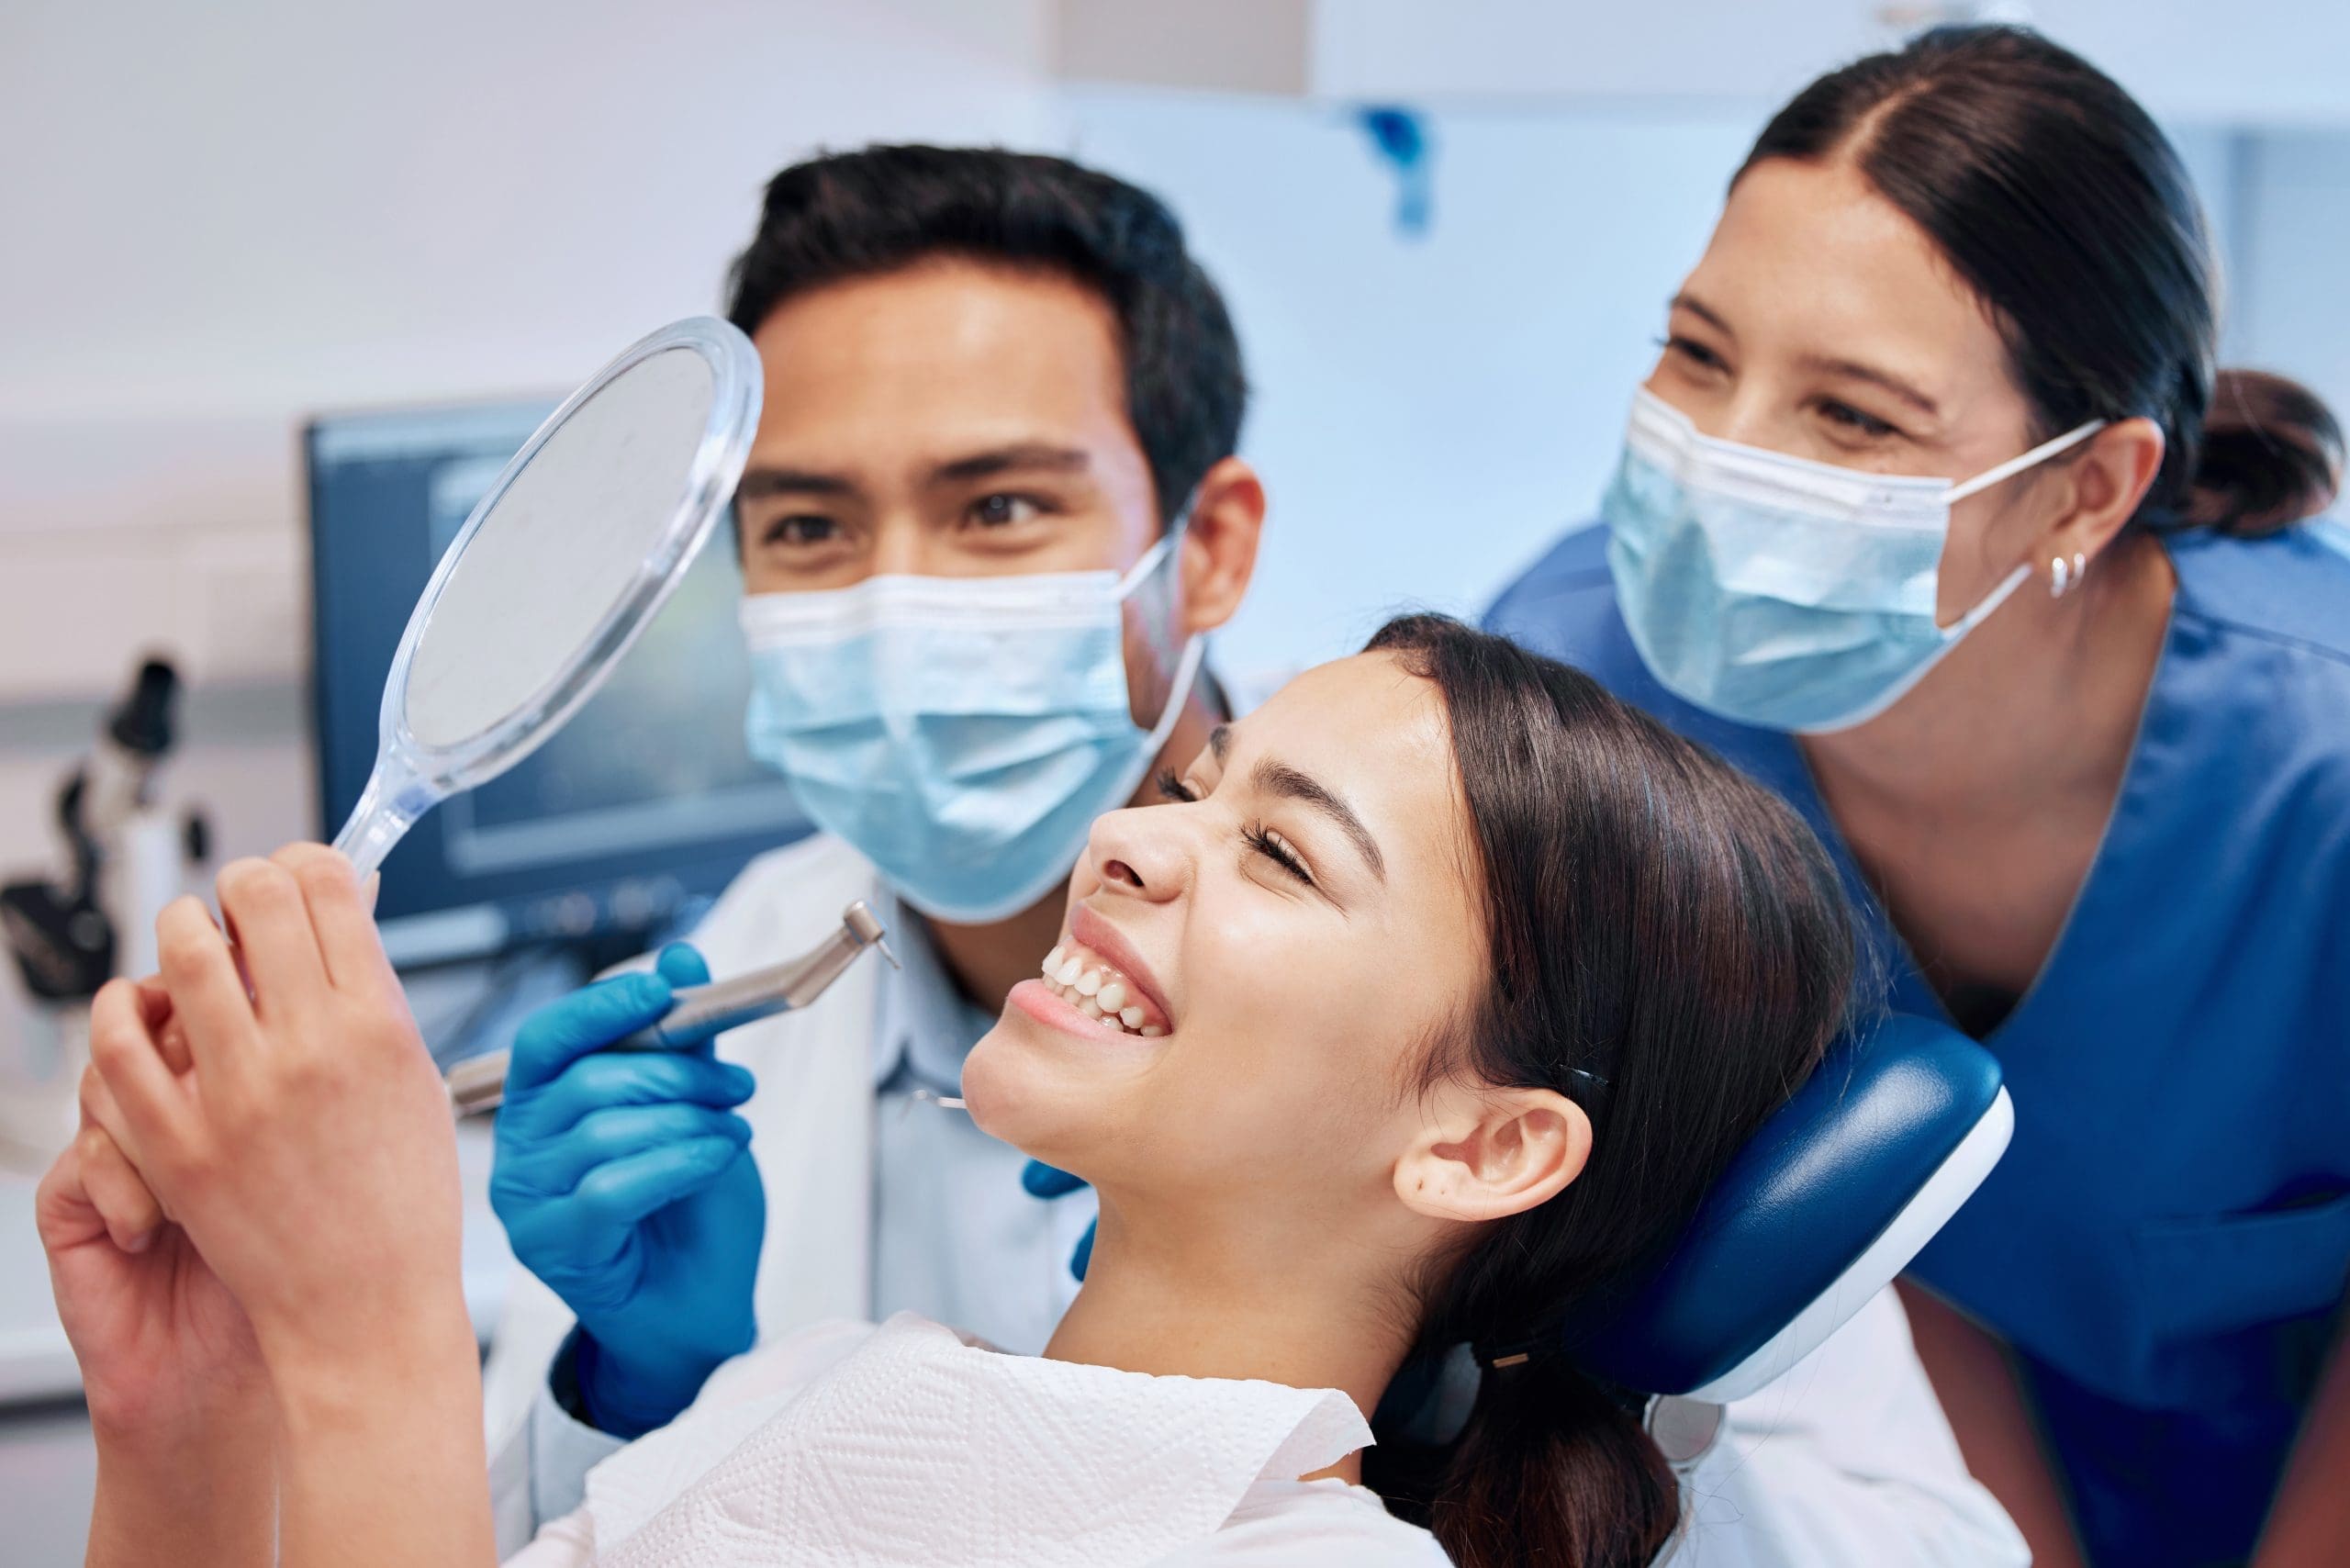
[(1274, 954)]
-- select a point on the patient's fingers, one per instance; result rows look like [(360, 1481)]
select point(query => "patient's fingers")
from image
[(340, 913), (100, 1108), (162, 1022), (132, 1216), (205, 991), (152, 1104), (267, 915)]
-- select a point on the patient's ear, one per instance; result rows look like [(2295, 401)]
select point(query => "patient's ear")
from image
[(1486, 1154)]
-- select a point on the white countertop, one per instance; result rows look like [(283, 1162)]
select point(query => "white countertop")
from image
[(37, 1365)]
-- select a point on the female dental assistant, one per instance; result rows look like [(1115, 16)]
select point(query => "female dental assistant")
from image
[(1935, 516)]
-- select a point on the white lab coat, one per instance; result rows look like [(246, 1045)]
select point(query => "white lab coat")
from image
[(1845, 1460)]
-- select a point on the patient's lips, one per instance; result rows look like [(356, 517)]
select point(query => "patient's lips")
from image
[(1079, 977)]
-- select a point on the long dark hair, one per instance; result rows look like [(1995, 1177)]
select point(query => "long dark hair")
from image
[(2054, 195), (1657, 920)]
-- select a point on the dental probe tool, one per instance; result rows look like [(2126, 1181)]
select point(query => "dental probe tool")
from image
[(478, 1084)]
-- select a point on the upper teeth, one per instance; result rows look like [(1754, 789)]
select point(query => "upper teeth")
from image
[(1097, 991)]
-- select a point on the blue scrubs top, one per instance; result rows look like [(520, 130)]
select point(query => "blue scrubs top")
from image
[(2166, 1243)]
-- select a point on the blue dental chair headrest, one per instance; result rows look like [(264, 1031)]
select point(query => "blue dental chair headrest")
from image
[(1830, 1201)]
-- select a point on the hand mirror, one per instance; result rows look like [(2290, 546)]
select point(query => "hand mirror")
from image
[(578, 542)]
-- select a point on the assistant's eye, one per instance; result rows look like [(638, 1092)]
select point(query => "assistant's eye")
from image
[(1173, 788), (1691, 351), (1853, 419)]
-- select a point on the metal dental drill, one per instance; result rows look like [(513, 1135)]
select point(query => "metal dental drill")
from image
[(478, 1084)]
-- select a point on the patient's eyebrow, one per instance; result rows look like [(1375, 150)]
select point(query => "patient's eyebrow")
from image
[(1219, 741), (1280, 779)]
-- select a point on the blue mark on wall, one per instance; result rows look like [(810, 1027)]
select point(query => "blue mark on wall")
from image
[(1400, 139)]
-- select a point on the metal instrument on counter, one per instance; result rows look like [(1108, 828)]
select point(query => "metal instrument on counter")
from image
[(478, 1084)]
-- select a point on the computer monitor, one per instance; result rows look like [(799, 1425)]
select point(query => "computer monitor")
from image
[(645, 802)]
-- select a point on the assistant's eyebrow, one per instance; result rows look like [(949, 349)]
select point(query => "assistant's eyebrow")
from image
[(1703, 311), (1019, 456), (1856, 371), (1275, 777), (773, 481), (1827, 365)]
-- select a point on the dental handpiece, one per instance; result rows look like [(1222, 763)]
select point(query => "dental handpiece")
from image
[(478, 1084)]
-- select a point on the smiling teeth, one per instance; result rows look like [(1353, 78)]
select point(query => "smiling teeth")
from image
[(1098, 992)]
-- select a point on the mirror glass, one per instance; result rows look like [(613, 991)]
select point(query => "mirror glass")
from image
[(563, 563), (562, 550)]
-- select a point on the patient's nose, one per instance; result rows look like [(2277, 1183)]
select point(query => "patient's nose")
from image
[(1142, 851)]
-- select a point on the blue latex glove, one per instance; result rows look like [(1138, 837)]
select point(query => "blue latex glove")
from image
[(1045, 1180), (624, 1180)]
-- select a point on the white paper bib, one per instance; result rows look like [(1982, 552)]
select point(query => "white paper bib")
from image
[(918, 1449)]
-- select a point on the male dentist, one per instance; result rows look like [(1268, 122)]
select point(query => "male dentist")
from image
[(991, 510)]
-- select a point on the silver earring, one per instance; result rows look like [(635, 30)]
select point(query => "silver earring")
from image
[(2064, 575)]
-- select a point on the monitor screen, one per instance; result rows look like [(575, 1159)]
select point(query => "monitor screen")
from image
[(645, 802)]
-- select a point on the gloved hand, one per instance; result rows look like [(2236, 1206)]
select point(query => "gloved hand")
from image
[(1044, 1181), (624, 1181)]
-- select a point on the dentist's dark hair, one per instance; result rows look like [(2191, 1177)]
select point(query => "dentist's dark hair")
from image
[(883, 209), (2054, 195), (1658, 920)]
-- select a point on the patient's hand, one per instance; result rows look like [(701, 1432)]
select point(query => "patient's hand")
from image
[(308, 1149), (179, 1401), (165, 1351)]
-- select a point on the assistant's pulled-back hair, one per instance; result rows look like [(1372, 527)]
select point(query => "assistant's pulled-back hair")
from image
[(2058, 200), (1658, 920), (882, 209)]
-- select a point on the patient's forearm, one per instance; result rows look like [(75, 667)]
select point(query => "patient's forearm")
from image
[(383, 1465), (203, 1498)]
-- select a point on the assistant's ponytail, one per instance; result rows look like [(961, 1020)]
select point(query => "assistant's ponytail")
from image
[(2271, 455)]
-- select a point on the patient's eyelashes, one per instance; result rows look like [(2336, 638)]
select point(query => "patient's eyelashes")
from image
[(1264, 843), (1258, 838)]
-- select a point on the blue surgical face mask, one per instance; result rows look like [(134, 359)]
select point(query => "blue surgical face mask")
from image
[(1780, 592), (963, 732)]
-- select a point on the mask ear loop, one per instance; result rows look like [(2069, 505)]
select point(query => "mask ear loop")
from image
[(1194, 649), (2015, 466), (1158, 552), (1983, 481)]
